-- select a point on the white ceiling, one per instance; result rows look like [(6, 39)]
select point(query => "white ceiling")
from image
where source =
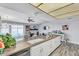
[(21, 11), (59, 10), (18, 12)]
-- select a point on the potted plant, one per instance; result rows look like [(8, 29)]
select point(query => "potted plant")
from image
[(8, 41)]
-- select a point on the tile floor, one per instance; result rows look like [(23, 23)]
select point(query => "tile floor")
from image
[(66, 49)]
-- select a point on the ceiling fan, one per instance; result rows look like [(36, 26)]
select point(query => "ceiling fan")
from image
[(30, 20)]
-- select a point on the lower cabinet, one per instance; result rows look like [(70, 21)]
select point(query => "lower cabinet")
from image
[(44, 49), (40, 50), (55, 42)]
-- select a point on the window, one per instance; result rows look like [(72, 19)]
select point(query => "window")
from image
[(4, 28), (17, 31)]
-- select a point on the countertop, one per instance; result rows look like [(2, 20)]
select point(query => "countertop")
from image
[(22, 45), (19, 46)]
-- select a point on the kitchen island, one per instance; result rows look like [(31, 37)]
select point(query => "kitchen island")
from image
[(24, 45)]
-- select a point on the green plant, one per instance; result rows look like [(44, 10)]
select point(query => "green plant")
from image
[(8, 40), (1, 46), (1, 51)]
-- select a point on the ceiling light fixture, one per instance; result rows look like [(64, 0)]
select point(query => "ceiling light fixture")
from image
[(30, 20)]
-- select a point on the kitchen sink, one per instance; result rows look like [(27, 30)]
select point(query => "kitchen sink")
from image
[(35, 41)]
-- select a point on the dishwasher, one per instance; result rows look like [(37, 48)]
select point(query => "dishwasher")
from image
[(25, 52)]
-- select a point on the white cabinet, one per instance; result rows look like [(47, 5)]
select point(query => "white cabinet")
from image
[(52, 45), (36, 50), (40, 50), (57, 41), (47, 48), (44, 49)]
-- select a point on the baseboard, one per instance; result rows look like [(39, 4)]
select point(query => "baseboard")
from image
[(74, 42)]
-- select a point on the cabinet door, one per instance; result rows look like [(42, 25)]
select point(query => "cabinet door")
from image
[(41, 49), (52, 45), (55, 43), (46, 48), (36, 51)]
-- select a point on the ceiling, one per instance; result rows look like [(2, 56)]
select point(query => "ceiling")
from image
[(59, 10), (20, 12)]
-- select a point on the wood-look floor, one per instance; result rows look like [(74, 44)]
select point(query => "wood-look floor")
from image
[(66, 49)]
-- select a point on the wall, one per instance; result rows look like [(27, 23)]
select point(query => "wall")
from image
[(73, 32), (51, 27)]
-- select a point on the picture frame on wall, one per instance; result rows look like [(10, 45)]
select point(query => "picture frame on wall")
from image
[(65, 27)]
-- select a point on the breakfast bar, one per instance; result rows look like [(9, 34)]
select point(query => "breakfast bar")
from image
[(29, 45)]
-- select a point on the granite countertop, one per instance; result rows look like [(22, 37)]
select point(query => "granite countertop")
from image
[(44, 40), (22, 45), (19, 46)]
